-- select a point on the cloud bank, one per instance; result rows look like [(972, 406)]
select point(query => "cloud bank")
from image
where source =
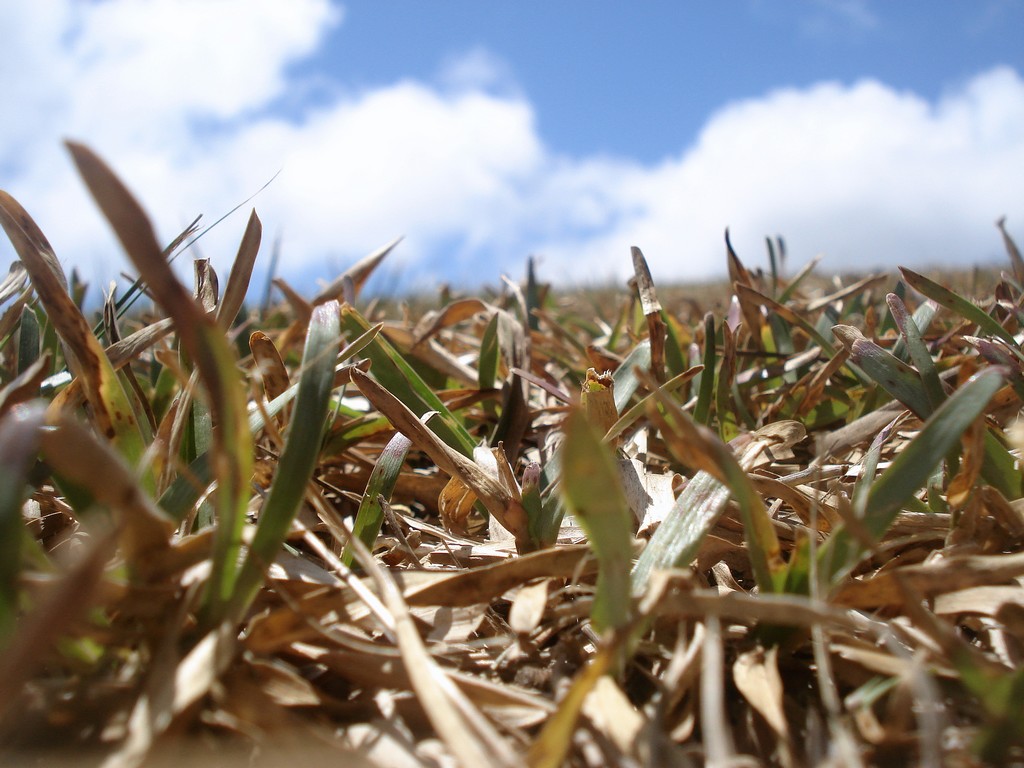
[(197, 103)]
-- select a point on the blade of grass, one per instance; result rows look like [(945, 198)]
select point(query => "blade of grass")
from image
[(468, 734), (922, 318), (698, 447), (111, 407), (678, 538), (625, 378), (706, 386), (504, 503), (357, 274), (19, 441), (594, 494), (28, 339), (919, 353), (551, 747), (910, 470), (490, 352), (400, 379), (379, 486), (299, 458), (957, 304), (652, 310), (1016, 261), (889, 372), (796, 319), (241, 272)]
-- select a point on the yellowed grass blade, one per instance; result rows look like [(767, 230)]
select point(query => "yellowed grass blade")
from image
[(111, 408)]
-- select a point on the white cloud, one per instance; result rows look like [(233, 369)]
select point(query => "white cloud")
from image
[(869, 176), (183, 99)]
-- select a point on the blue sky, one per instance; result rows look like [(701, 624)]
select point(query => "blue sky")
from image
[(871, 133), (640, 79)]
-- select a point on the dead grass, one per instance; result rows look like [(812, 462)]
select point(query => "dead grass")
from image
[(785, 528)]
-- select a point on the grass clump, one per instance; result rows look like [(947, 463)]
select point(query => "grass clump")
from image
[(527, 528)]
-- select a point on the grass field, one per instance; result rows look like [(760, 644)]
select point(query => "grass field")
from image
[(776, 522)]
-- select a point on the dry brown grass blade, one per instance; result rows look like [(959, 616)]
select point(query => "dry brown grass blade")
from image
[(174, 685), (86, 357), (11, 317), (741, 279), (847, 291), (357, 274), (131, 346), (302, 309), (129, 221), (455, 312), (466, 732), (671, 596), (551, 747), (378, 670), (209, 351), (241, 272), (613, 714), (756, 674), (135, 232), (656, 330), (207, 285), (120, 354), (943, 576), (269, 365), (31, 239), (25, 385), (13, 282), (486, 583), (500, 501), (716, 733), (78, 456)]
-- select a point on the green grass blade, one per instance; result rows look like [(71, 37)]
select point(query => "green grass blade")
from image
[(697, 447), (626, 381), (28, 339), (919, 353), (890, 373), (922, 318), (490, 355), (379, 486), (911, 469), (868, 468), (594, 494), (675, 357), (956, 303), (680, 534), (394, 373), (19, 439), (1000, 469), (706, 386), (299, 457)]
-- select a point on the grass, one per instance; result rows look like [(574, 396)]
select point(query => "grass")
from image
[(778, 521)]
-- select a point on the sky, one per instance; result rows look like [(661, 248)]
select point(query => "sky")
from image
[(869, 133)]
